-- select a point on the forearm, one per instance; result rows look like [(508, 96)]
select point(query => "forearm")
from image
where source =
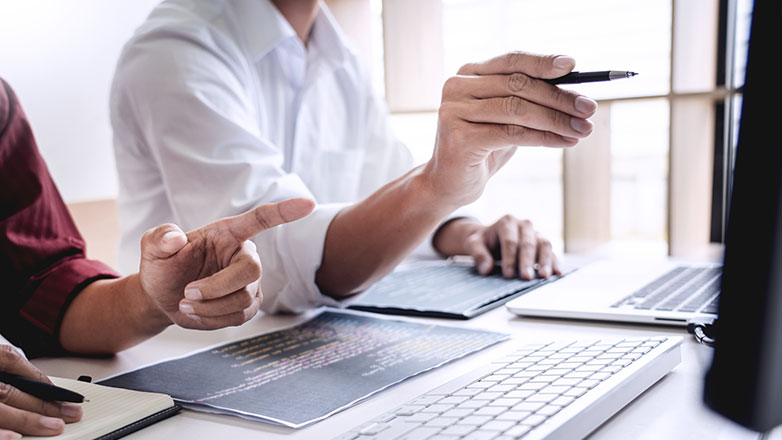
[(109, 316), (367, 240)]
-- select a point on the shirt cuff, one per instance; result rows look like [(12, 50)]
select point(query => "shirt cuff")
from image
[(290, 256), (54, 289)]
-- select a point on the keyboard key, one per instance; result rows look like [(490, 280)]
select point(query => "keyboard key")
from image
[(490, 411), (408, 410), (513, 415), (497, 425), (458, 412), (458, 430), (477, 420), (518, 430), (481, 435), (534, 420), (438, 408), (528, 406), (441, 422), (422, 417), (540, 397), (422, 433)]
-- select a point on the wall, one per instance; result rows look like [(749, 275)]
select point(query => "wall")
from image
[(59, 57)]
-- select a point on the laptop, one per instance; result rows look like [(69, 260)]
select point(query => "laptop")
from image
[(661, 291)]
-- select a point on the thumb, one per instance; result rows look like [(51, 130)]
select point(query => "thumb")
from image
[(251, 223), (162, 241), (477, 248)]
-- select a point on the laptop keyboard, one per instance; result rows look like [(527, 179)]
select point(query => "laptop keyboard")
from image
[(682, 289), (511, 400)]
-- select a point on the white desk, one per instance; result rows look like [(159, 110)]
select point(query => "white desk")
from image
[(671, 409)]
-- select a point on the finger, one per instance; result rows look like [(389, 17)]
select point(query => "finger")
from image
[(229, 320), (251, 223), (556, 267), (522, 86), (535, 65), (528, 250), (29, 423), (12, 362), (477, 247), (500, 136), (243, 269), (545, 258), (163, 241), (518, 111), (233, 302), (9, 435), (508, 233), (11, 396)]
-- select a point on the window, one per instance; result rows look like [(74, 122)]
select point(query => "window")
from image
[(651, 173)]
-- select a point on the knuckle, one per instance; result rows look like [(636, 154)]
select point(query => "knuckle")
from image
[(519, 82), (512, 105), (246, 298), (513, 59), (515, 132), (9, 356), (6, 391), (508, 218), (464, 68), (451, 86), (260, 217), (525, 224), (447, 111)]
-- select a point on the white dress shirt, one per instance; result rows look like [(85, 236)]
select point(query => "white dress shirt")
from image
[(218, 107)]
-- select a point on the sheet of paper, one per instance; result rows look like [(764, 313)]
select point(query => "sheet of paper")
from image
[(305, 373)]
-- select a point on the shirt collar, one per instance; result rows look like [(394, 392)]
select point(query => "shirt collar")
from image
[(265, 28)]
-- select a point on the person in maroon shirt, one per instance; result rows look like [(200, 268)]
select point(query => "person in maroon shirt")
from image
[(56, 301)]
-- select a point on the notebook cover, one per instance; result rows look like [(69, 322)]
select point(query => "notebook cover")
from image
[(141, 423)]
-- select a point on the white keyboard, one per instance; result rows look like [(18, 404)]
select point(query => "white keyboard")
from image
[(555, 390)]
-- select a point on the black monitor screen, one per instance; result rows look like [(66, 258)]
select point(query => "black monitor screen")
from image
[(744, 382)]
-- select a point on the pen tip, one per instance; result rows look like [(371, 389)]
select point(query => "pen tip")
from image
[(629, 74)]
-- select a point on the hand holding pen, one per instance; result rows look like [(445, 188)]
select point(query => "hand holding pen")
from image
[(21, 413)]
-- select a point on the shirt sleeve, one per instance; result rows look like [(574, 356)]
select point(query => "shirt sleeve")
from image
[(199, 125), (42, 254)]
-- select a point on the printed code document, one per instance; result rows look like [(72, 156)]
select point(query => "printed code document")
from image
[(299, 375)]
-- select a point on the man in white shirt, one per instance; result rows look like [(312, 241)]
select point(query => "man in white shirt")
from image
[(218, 106)]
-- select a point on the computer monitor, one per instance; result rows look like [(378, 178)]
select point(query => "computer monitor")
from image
[(744, 382)]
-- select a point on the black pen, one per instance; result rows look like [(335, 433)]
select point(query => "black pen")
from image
[(582, 77), (41, 390)]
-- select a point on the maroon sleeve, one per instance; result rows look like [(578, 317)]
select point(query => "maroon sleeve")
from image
[(42, 258)]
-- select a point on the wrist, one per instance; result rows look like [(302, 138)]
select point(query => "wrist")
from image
[(428, 188), (451, 237), (150, 314)]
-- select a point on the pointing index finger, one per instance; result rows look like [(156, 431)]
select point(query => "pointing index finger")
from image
[(251, 223)]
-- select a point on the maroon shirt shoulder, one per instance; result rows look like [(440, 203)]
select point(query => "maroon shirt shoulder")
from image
[(42, 254)]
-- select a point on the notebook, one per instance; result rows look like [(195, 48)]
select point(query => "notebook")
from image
[(441, 289), (111, 413), (653, 291)]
